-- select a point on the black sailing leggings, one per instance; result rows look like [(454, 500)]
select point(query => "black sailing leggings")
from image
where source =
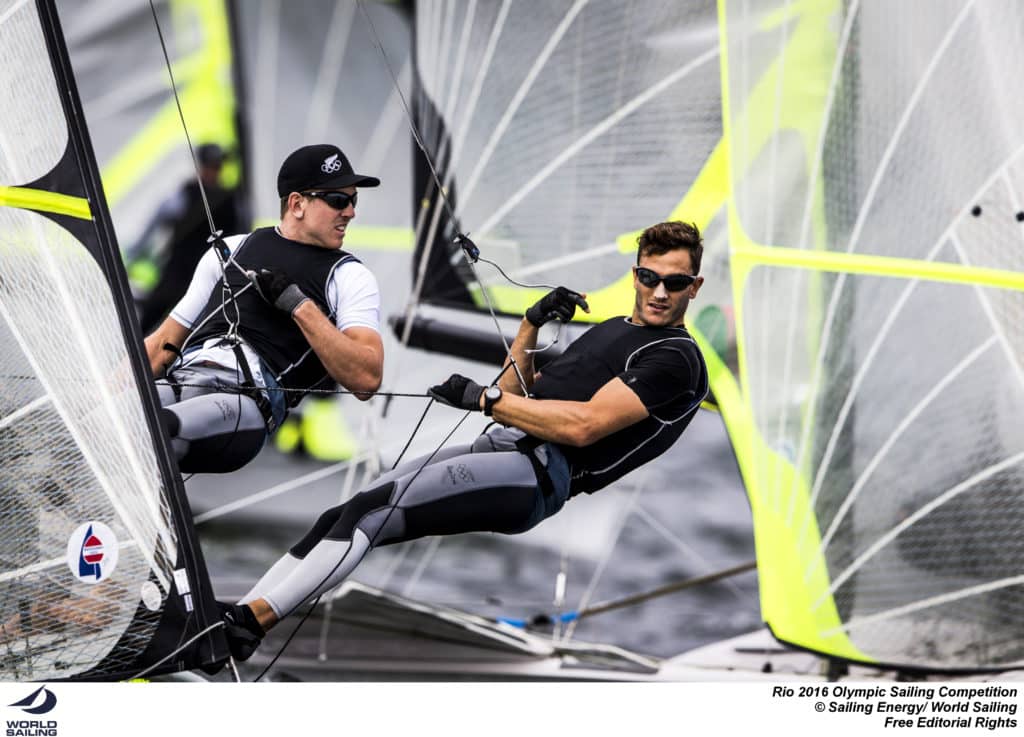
[(213, 428), (484, 487)]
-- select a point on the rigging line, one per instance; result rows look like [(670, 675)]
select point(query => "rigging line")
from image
[(181, 648), (405, 105), (640, 598), (380, 529), (603, 564), (444, 196), (289, 390), (421, 565), (905, 524), (215, 239), (413, 435), (501, 333), (273, 491), (462, 129), (554, 263), (662, 530), (181, 115), (520, 284)]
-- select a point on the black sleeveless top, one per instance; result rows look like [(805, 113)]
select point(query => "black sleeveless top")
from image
[(270, 332), (663, 366)]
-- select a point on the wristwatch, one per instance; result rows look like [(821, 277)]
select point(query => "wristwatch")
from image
[(491, 395)]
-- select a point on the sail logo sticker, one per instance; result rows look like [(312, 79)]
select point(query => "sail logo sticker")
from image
[(92, 552), (331, 165)]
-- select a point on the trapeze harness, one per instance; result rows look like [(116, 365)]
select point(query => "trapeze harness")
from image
[(506, 481), (214, 435)]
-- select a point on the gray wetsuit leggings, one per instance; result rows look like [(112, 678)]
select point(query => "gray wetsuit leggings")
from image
[(487, 486), (213, 428)]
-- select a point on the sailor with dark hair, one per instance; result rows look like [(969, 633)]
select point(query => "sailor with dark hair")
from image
[(280, 308), (619, 396)]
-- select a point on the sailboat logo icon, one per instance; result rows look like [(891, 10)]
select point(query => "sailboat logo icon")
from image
[(92, 552), (29, 705)]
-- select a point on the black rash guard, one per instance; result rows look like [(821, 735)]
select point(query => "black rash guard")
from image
[(663, 366)]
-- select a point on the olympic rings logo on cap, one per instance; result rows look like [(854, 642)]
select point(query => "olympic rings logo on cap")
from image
[(331, 165)]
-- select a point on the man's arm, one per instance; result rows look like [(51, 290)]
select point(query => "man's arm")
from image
[(612, 408), (558, 304), (526, 339), (354, 357), (170, 331)]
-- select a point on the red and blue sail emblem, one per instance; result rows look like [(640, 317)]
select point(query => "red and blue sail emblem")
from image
[(90, 559), (92, 552)]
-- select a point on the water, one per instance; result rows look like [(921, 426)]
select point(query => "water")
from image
[(689, 517)]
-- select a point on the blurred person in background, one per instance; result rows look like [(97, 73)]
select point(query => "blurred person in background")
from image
[(176, 237)]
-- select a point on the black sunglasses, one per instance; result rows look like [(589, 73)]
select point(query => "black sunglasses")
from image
[(337, 200), (673, 282)]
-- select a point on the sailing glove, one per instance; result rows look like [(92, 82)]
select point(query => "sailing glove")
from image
[(458, 391), (558, 304), (277, 289)]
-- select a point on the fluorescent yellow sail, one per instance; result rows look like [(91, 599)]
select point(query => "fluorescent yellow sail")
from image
[(874, 170)]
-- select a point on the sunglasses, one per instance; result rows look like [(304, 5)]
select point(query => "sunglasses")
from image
[(337, 200), (673, 282)]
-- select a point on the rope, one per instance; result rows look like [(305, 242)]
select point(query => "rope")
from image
[(286, 390), (179, 649), (471, 254), (625, 601)]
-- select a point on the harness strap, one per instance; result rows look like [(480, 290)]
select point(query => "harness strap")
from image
[(250, 389), (527, 445)]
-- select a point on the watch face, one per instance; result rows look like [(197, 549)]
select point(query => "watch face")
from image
[(492, 393)]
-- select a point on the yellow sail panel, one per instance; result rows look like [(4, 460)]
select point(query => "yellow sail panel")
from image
[(35, 199), (875, 171)]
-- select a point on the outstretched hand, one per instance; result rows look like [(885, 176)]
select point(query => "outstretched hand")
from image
[(277, 289), (558, 304), (458, 391)]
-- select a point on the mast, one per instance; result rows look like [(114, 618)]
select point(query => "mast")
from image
[(105, 466)]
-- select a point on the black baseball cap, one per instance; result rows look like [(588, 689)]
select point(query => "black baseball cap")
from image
[(321, 166)]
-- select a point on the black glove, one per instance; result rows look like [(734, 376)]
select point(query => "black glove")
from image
[(277, 289), (558, 304), (458, 391)]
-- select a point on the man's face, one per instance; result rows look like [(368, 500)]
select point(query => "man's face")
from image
[(322, 225), (656, 306)]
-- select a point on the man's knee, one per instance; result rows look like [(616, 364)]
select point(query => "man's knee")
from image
[(358, 507), (171, 422)]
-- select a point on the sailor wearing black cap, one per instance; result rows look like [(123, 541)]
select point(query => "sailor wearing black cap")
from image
[(298, 312)]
